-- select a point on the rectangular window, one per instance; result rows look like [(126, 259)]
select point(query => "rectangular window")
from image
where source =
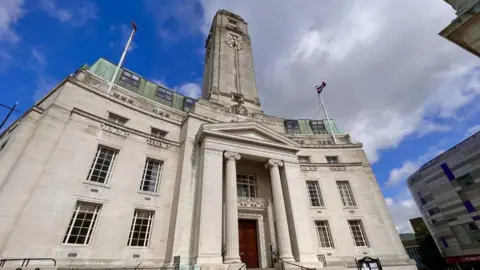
[(332, 159), (82, 224), (314, 194), (324, 235), (158, 133), (465, 180), (151, 175), (188, 104), (164, 94), (304, 159), (130, 78), (246, 186), (467, 233), (102, 165), (433, 211), (117, 119), (346, 193), (318, 127), (358, 233), (140, 229), (292, 126)]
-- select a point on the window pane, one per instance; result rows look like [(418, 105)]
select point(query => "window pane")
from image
[(140, 229), (324, 235), (358, 233), (151, 175), (314, 194), (102, 165), (246, 186), (346, 193), (82, 224)]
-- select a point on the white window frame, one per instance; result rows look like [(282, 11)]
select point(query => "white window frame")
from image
[(158, 176), (117, 119), (159, 133), (327, 240), (360, 228), (148, 233), (110, 168), (248, 181), (317, 193), (330, 161), (304, 159), (346, 194), (91, 227)]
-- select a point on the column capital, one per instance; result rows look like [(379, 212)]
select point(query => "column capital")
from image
[(273, 163), (231, 155)]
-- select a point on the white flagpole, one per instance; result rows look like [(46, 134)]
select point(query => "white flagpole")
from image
[(328, 119), (134, 29)]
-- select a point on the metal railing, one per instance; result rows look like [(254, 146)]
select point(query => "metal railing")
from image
[(26, 261), (275, 257)]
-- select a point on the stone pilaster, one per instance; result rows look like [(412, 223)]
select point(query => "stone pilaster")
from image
[(232, 249), (284, 245)]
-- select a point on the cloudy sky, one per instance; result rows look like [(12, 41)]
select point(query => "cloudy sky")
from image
[(392, 81)]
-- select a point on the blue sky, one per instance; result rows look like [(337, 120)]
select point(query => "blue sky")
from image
[(395, 85)]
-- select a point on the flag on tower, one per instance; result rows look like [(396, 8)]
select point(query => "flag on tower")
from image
[(320, 88)]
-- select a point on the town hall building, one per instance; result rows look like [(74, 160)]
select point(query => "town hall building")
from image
[(140, 176)]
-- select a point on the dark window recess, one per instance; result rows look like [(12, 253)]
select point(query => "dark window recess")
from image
[(465, 180), (188, 104), (292, 126), (420, 197), (470, 208), (130, 79), (434, 211), (304, 159), (164, 94), (318, 127), (158, 133), (444, 242), (332, 159)]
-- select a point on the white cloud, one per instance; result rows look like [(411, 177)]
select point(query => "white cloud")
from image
[(77, 15), (402, 208), (10, 12), (398, 175), (192, 90), (473, 130), (38, 56), (387, 76)]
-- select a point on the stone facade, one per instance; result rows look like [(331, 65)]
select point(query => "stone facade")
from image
[(80, 179)]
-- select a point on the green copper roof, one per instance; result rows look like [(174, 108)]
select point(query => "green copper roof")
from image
[(135, 83)]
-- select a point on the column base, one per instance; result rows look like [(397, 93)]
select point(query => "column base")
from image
[(232, 260)]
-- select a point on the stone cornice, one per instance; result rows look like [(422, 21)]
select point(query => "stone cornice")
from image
[(123, 130)]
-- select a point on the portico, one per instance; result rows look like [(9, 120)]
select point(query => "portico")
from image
[(222, 148)]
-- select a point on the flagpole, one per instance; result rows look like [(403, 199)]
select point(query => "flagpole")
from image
[(328, 119), (134, 29)]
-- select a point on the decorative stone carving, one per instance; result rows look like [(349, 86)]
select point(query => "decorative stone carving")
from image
[(158, 143), (238, 108), (338, 168), (235, 42), (252, 202), (308, 168), (115, 130), (273, 163), (232, 155)]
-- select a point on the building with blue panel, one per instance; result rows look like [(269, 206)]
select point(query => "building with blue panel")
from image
[(447, 192)]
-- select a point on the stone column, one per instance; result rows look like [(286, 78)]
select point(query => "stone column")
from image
[(284, 245), (232, 249)]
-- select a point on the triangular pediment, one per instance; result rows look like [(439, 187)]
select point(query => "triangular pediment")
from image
[(249, 131)]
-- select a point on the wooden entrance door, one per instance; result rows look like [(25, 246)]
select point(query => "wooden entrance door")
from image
[(247, 232)]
